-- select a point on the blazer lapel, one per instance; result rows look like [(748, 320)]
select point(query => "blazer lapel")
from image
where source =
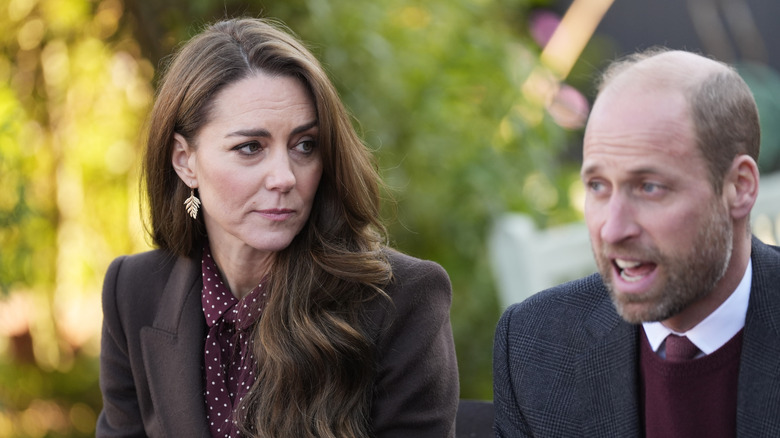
[(173, 354), (608, 376), (758, 396)]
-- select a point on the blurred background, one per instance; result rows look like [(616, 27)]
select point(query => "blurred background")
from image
[(474, 108)]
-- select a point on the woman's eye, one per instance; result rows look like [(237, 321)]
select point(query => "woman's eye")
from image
[(305, 146), (248, 148)]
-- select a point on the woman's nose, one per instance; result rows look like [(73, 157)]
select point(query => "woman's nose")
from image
[(280, 173)]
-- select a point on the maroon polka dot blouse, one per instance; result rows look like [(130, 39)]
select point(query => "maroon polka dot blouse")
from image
[(229, 361)]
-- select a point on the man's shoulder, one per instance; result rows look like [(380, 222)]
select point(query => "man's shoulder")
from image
[(765, 252), (766, 267), (764, 301), (566, 314), (578, 296)]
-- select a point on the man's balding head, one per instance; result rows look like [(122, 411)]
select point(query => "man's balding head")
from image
[(720, 104)]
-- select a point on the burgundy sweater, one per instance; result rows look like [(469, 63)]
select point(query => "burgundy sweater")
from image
[(692, 398)]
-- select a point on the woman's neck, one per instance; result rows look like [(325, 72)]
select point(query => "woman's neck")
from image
[(242, 269)]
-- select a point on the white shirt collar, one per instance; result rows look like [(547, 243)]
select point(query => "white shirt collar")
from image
[(718, 327)]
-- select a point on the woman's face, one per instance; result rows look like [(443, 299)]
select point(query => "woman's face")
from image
[(256, 165)]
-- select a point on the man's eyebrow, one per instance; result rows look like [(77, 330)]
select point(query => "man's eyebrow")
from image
[(589, 170), (645, 170), (264, 132)]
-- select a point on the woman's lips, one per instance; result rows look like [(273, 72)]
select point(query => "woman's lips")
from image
[(277, 214)]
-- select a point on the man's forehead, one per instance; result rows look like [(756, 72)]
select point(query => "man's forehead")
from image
[(640, 144), (639, 118)]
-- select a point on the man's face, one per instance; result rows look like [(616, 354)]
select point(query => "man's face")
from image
[(661, 236)]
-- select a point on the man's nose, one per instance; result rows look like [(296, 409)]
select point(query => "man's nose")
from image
[(619, 220)]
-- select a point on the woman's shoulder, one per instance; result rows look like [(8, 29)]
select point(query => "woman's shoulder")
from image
[(137, 286), (137, 279), (416, 280), (141, 267), (409, 268), (146, 259)]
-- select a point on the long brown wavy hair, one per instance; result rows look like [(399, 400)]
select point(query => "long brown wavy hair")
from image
[(315, 357)]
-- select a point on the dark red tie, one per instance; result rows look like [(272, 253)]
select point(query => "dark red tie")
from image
[(680, 348)]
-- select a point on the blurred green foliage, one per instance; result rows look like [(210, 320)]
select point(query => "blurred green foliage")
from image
[(435, 90), (73, 93)]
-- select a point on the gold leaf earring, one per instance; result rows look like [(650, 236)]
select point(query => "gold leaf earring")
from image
[(192, 204)]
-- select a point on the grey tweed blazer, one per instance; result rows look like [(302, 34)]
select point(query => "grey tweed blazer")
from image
[(154, 333), (566, 365)]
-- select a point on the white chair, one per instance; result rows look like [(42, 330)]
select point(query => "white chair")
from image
[(526, 259)]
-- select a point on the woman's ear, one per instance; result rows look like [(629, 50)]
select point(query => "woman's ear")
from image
[(741, 186), (184, 161)]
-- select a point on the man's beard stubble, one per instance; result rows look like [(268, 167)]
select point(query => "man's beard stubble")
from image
[(688, 276)]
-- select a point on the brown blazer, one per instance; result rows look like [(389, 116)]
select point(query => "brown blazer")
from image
[(154, 332)]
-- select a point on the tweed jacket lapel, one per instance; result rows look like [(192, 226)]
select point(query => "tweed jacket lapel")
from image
[(173, 353), (758, 398), (607, 378)]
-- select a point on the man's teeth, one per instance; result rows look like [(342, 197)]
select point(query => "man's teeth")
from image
[(626, 264), (629, 278)]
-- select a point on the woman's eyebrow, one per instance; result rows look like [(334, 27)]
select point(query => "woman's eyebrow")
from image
[(260, 132)]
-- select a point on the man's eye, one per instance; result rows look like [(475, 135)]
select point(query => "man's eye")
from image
[(595, 186)]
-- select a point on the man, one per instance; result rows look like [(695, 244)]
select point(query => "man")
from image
[(669, 166)]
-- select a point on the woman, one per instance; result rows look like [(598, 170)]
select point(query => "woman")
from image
[(271, 307)]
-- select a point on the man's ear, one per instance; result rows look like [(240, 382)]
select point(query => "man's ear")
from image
[(741, 186), (184, 161)]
